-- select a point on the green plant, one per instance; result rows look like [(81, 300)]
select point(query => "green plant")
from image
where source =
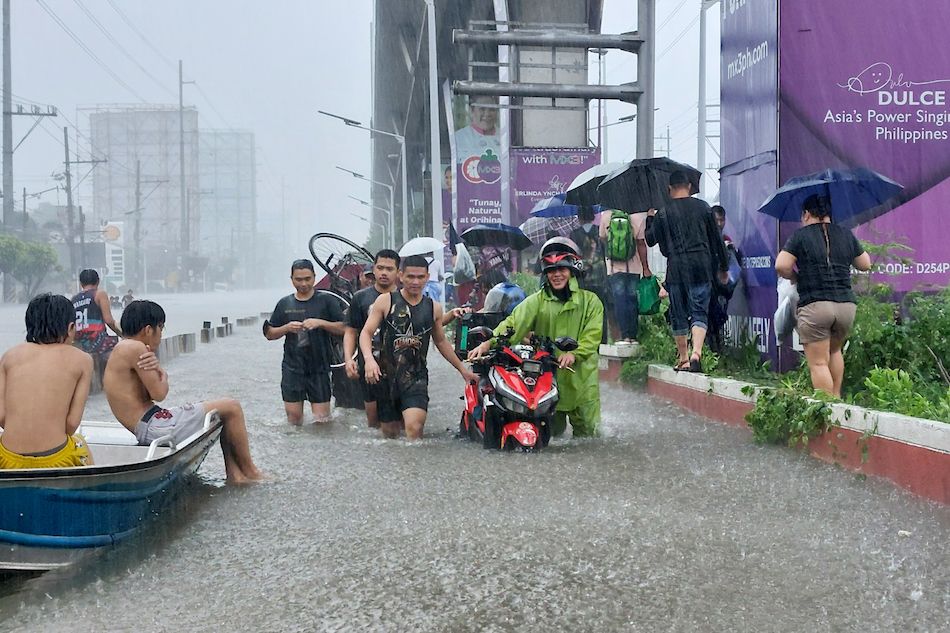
[(895, 390), (528, 283), (655, 346), (781, 416)]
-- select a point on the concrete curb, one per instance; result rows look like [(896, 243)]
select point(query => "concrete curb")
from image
[(912, 452)]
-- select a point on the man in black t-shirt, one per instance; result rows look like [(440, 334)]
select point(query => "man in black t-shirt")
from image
[(385, 272), (688, 237), (305, 320)]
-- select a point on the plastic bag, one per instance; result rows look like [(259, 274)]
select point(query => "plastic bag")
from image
[(648, 295), (464, 266), (784, 319)]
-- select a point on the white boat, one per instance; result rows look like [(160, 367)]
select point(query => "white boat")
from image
[(53, 517)]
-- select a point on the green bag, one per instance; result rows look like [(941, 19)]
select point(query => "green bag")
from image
[(620, 246), (648, 295)]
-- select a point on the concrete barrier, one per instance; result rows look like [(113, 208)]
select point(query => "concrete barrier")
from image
[(207, 335), (221, 331), (246, 321), (224, 320), (265, 315), (913, 453), (229, 329), (612, 358), (188, 342)]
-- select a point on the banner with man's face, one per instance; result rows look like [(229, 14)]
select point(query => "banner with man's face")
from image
[(478, 167)]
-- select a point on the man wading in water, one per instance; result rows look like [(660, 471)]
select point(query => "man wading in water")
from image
[(406, 320)]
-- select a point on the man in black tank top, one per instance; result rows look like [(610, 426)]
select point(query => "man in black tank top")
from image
[(407, 321), (385, 270)]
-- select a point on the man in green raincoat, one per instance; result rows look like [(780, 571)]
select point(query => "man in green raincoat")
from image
[(561, 308)]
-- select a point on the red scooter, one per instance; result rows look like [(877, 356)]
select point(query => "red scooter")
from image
[(512, 404)]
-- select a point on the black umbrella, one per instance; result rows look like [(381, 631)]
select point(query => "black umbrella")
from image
[(495, 235), (583, 189), (642, 184)]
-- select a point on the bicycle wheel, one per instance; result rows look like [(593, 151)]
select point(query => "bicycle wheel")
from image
[(336, 342), (342, 259)]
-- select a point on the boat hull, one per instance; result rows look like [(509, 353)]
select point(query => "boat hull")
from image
[(73, 510)]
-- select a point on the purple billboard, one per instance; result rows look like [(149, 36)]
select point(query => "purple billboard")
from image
[(865, 83), (538, 173), (749, 98)]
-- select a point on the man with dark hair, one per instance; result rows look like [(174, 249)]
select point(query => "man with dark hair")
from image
[(385, 271), (44, 384), (406, 320), (134, 381), (305, 320), (588, 240), (688, 237), (93, 313)]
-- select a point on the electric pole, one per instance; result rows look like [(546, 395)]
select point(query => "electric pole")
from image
[(70, 220), (137, 231), (7, 122), (185, 221)]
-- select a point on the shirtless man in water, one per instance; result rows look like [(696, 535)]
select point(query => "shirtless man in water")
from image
[(134, 380), (44, 384)]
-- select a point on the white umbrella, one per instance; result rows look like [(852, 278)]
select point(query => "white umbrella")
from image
[(421, 246), (583, 189)]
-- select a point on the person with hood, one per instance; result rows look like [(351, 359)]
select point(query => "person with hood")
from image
[(562, 308)]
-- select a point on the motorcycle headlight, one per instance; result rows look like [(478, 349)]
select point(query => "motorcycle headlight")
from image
[(513, 406)]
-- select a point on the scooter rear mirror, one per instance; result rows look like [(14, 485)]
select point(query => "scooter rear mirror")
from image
[(565, 343), (478, 335)]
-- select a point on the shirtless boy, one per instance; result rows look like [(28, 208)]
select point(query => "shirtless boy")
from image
[(44, 384), (134, 380)]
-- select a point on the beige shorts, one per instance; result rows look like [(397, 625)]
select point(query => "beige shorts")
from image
[(823, 320), (179, 422)]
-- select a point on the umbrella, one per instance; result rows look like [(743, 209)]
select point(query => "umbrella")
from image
[(554, 207), (642, 184), (583, 189), (495, 235), (538, 228), (857, 195), (421, 246)]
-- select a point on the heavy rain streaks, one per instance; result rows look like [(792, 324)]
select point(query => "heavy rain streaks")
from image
[(668, 522)]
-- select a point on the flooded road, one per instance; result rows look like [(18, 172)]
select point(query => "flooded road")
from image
[(667, 523)]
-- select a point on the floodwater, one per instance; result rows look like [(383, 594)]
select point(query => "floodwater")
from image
[(667, 523)]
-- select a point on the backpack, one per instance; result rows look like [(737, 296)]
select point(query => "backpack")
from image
[(619, 237)]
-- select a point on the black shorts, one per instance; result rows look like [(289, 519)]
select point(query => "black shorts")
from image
[(390, 409), (314, 388), (370, 392)]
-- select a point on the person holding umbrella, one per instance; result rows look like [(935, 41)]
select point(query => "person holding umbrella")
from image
[(818, 259), (689, 238)]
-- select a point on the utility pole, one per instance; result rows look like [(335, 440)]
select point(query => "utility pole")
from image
[(137, 231), (7, 123), (70, 220), (283, 215), (24, 211), (646, 74), (185, 235), (70, 230)]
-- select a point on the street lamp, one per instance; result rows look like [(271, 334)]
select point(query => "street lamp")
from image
[(402, 159), (392, 208), (382, 227)]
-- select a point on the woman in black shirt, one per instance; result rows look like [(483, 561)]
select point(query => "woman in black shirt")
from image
[(823, 254)]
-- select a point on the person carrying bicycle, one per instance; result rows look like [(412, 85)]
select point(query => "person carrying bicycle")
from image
[(305, 320), (562, 308)]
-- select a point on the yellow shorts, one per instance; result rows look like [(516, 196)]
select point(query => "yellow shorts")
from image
[(75, 453)]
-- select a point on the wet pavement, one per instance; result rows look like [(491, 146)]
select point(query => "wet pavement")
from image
[(666, 523)]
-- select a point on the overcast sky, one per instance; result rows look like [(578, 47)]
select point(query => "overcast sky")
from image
[(267, 67)]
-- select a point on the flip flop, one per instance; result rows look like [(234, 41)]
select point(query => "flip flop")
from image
[(695, 365), (682, 366)]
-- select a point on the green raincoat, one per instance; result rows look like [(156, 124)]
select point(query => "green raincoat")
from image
[(581, 318)]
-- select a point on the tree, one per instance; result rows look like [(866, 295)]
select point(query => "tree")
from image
[(33, 262), (10, 249)]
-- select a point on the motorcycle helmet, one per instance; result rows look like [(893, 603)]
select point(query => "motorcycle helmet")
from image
[(561, 252), (503, 298)]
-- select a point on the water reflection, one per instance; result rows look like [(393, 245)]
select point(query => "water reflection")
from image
[(666, 523)]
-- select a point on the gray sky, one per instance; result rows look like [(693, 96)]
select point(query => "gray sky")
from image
[(267, 67)]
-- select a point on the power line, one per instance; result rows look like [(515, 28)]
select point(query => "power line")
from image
[(678, 37), (115, 42), (148, 43), (672, 15), (87, 50)]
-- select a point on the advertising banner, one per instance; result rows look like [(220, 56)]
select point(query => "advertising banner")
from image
[(476, 151), (866, 83), (538, 173), (749, 98)]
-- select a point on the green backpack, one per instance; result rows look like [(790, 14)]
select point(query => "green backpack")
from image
[(619, 237)]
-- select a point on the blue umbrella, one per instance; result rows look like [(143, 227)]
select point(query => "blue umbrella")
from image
[(556, 207), (857, 195)]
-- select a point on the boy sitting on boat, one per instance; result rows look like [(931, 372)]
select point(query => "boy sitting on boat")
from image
[(44, 384), (134, 380)]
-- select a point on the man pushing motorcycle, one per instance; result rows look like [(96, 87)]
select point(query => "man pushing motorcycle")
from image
[(560, 308)]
